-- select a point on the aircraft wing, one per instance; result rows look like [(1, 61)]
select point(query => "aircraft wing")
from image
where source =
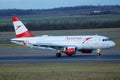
[(50, 45)]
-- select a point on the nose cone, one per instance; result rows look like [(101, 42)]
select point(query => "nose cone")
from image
[(112, 44)]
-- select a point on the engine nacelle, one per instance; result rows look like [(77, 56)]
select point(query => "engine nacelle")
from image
[(86, 51), (69, 50)]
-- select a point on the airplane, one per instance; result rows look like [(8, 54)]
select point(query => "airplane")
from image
[(68, 45)]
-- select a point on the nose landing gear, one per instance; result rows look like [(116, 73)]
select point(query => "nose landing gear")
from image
[(98, 52)]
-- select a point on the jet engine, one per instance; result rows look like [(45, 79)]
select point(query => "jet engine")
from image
[(86, 51), (69, 51)]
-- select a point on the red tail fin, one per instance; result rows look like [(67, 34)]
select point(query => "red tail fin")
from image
[(20, 29)]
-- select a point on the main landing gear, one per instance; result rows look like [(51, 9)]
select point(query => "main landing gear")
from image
[(98, 52), (58, 54)]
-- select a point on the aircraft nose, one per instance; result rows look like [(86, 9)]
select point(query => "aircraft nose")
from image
[(113, 44)]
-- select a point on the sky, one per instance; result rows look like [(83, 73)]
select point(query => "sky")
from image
[(48, 4)]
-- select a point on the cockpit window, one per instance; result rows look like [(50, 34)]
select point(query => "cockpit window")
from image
[(106, 40)]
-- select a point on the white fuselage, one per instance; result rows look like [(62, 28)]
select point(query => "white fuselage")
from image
[(80, 42)]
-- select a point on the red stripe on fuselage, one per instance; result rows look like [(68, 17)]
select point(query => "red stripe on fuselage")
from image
[(24, 34)]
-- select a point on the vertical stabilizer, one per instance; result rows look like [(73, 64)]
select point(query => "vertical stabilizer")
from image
[(20, 29)]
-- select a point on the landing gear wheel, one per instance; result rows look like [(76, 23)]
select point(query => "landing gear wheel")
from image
[(69, 54), (58, 54), (98, 54)]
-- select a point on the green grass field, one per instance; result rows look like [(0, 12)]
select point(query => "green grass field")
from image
[(60, 71), (62, 19), (39, 22)]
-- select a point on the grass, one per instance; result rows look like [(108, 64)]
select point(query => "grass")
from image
[(60, 71), (12, 46), (77, 20)]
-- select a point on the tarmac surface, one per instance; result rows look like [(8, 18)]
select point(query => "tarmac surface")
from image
[(109, 55)]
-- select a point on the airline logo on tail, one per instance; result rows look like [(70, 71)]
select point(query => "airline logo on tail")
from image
[(20, 29)]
